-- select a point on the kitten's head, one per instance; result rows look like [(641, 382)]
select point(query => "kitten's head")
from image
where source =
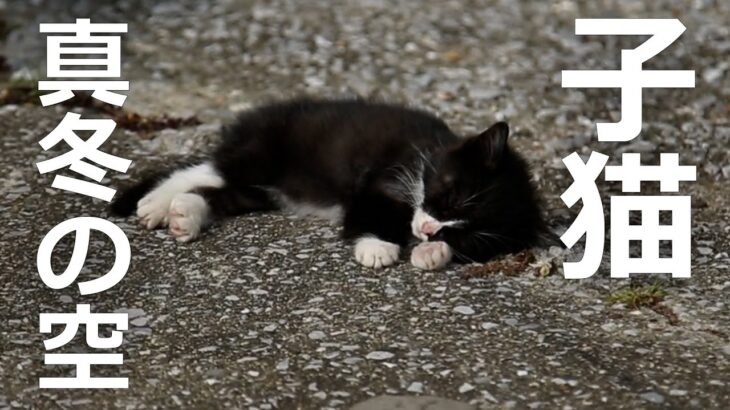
[(478, 198)]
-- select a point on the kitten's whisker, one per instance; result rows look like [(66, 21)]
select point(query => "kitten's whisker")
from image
[(424, 158), (478, 194), (486, 237), (491, 235), (484, 241), (461, 255), (485, 233), (411, 182)]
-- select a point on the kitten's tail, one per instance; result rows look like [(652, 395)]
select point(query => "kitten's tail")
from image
[(125, 202)]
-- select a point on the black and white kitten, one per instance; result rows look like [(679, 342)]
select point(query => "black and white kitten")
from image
[(388, 172)]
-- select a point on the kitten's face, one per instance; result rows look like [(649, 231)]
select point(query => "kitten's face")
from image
[(478, 198)]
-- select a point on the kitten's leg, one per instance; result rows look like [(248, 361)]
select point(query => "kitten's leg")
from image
[(431, 255), (434, 254), (154, 207), (376, 253), (190, 212), (379, 227)]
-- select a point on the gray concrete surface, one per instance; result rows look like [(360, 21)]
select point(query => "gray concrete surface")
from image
[(270, 311)]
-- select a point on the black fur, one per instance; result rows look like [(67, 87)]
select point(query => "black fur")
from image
[(126, 203), (358, 154)]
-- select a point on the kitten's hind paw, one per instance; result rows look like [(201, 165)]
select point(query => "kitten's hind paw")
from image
[(431, 255), (188, 215), (153, 208), (376, 253)]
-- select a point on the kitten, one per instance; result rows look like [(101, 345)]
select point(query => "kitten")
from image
[(390, 173)]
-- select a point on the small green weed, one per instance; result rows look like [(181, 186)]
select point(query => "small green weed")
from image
[(639, 296)]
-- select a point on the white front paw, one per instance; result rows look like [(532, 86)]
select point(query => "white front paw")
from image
[(188, 214), (375, 253), (431, 255)]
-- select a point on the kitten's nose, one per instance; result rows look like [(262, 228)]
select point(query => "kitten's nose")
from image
[(430, 227)]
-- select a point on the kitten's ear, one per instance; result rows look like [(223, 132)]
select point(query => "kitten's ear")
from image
[(493, 141)]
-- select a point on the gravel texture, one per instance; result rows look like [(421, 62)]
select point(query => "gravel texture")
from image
[(271, 311)]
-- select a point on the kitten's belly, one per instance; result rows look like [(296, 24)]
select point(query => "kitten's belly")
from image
[(305, 209)]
